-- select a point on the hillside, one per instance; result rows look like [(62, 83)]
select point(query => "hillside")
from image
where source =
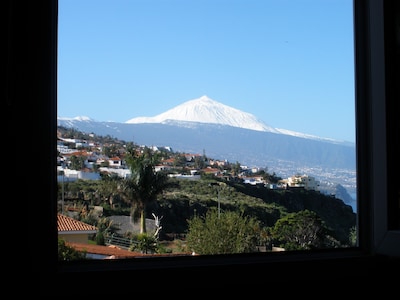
[(187, 198)]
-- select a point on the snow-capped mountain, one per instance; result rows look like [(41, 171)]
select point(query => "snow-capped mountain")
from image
[(206, 110)]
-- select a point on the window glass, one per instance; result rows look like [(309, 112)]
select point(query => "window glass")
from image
[(245, 112)]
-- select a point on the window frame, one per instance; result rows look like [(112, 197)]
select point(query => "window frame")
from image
[(374, 128), (32, 62)]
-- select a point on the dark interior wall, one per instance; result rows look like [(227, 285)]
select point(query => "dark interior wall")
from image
[(392, 65)]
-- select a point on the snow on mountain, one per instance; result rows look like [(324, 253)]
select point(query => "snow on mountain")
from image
[(71, 121), (311, 137), (80, 118), (206, 110)]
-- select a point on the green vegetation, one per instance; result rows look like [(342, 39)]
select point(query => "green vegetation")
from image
[(144, 243), (223, 233), (67, 253), (281, 215), (303, 230)]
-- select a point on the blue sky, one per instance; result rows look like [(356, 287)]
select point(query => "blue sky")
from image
[(289, 63)]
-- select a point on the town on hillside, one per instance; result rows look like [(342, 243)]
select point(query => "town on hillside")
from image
[(86, 156)]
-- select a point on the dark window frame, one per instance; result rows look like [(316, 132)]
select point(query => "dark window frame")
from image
[(32, 87)]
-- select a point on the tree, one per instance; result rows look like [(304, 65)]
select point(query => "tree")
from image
[(353, 236), (144, 184), (199, 162), (144, 243), (180, 160), (77, 162), (110, 188), (236, 168), (228, 232), (67, 253), (303, 230)]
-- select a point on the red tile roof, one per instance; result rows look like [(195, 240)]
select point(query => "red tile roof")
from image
[(113, 251), (65, 223)]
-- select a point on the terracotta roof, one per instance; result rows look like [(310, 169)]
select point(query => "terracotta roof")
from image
[(65, 223), (114, 251)]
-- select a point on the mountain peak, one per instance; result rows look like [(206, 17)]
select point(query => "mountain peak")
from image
[(207, 110), (205, 99)]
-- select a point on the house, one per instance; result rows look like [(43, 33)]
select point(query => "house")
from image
[(302, 181), (76, 235), (115, 162), (72, 230), (103, 252)]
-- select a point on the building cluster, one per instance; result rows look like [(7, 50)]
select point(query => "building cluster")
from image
[(94, 163)]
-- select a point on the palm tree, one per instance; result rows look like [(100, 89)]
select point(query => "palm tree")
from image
[(110, 188), (144, 184)]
